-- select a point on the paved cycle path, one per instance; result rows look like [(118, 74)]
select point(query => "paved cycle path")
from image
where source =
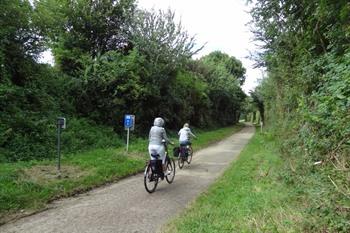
[(126, 206)]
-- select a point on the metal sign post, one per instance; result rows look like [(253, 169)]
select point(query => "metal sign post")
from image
[(59, 148), (129, 124), (61, 124), (127, 139)]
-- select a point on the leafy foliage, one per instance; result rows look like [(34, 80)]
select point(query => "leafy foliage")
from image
[(111, 59), (161, 40), (84, 28), (306, 98), (224, 74), (20, 42)]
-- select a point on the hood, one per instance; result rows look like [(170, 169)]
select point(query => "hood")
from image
[(158, 122)]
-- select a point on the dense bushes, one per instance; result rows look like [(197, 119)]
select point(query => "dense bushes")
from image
[(40, 142), (28, 119), (326, 128), (307, 100)]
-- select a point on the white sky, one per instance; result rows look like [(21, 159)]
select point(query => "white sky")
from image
[(220, 23)]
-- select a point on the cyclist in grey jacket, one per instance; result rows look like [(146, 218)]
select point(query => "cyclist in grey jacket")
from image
[(156, 136)]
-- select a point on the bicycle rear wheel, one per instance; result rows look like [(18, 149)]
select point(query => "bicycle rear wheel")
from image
[(150, 179), (190, 153), (180, 161), (171, 167)]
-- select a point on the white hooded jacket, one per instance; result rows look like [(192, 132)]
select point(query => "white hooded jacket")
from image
[(185, 134)]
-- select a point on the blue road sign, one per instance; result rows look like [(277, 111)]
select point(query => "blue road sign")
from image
[(129, 121)]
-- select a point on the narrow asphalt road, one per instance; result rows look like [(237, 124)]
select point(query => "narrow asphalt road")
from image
[(126, 206)]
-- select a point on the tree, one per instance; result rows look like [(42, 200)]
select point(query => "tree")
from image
[(225, 91), (161, 40), (230, 64), (166, 47), (83, 28), (20, 42)]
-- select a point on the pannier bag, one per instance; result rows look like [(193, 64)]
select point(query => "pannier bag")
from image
[(157, 166)]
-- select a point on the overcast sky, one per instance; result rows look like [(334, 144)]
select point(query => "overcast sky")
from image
[(220, 23)]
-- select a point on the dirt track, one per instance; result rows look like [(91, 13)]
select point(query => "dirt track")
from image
[(127, 207)]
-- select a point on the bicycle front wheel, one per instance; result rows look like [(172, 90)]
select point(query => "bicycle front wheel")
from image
[(171, 167), (150, 179)]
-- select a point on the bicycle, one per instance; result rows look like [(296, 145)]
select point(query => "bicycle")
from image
[(185, 155), (154, 171)]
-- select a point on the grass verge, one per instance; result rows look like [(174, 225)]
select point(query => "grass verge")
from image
[(26, 187), (249, 197)]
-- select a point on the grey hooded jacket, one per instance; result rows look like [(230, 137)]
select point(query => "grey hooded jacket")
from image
[(157, 132)]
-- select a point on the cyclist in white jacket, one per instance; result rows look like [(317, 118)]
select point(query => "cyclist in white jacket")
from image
[(185, 135)]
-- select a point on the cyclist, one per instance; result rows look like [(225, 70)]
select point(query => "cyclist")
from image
[(185, 135), (156, 147)]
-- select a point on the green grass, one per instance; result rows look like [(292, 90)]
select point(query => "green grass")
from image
[(26, 187), (249, 197)]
